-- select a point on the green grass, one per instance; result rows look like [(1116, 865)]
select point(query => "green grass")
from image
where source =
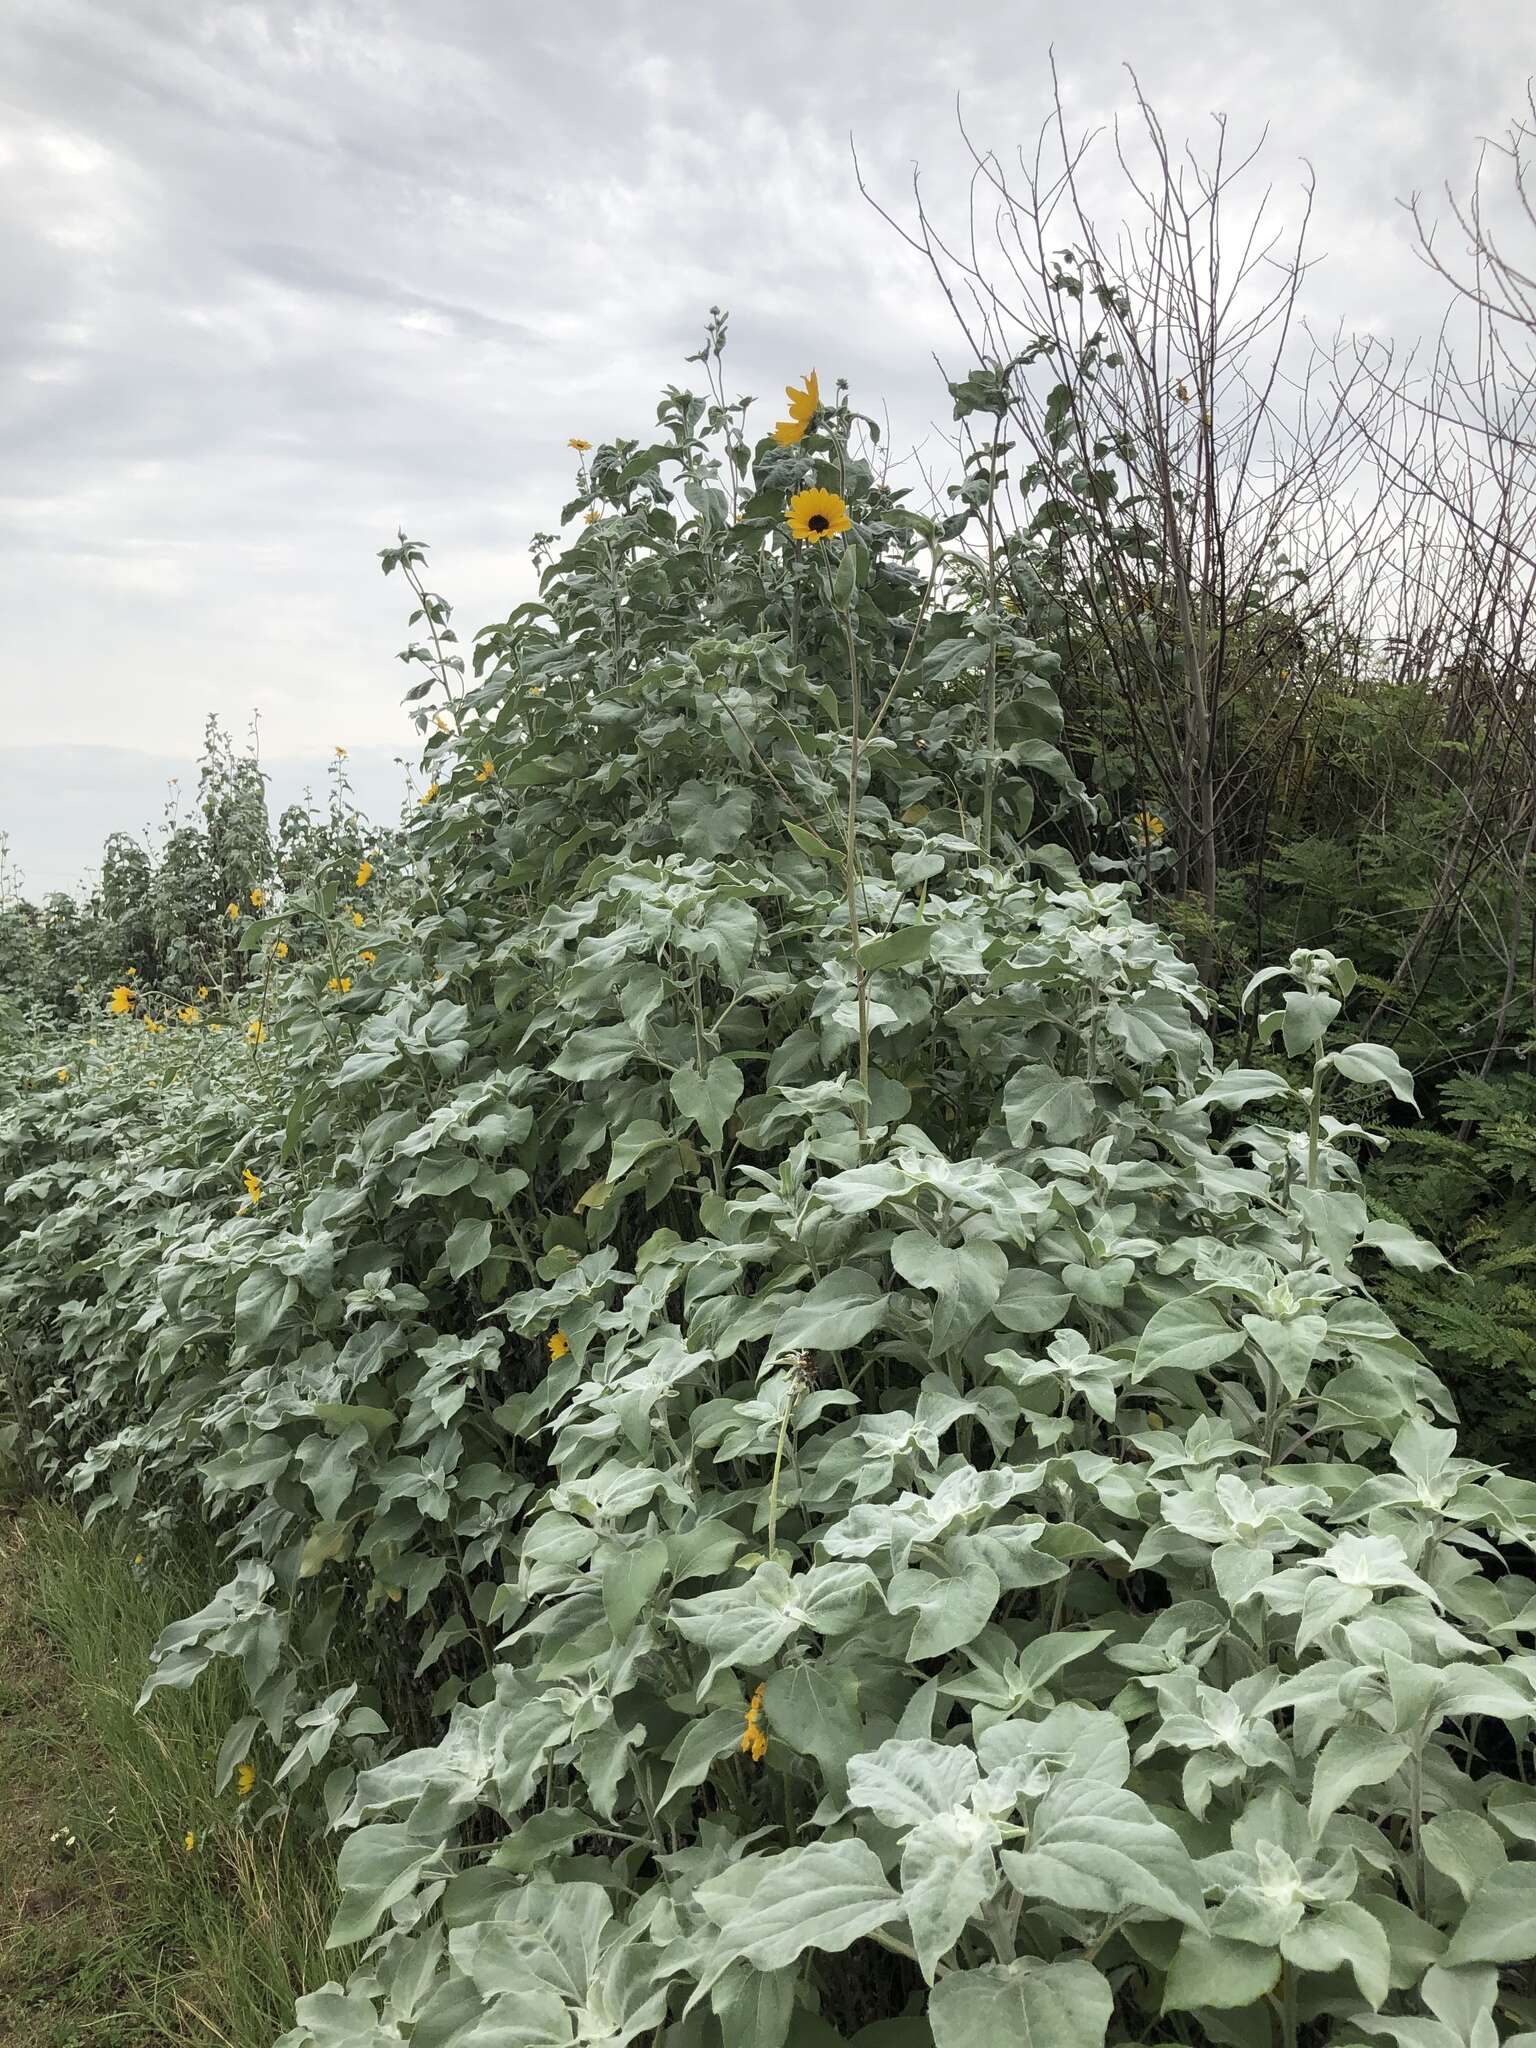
[(125, 1938)]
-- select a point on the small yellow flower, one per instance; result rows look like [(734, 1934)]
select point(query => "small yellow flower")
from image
[(138, 1557), (63, 1074), (357, 919), (486, 770), (189, 1013), (258, 897), (122, 1000), (578, 444), (189, 1841), (367, 957), (252, 1185), (281, 949), (1150, 825), (817, 514), (364, 874), (153, 1024), (441, 723), (256, 1031), (245, 1779), (428, 793), (339, 984), (215, 1027), (559, 1345), (231, 910), (341, 753), (130, 974), (591, 516), (754, 1740), (202, 991), (802, 410)]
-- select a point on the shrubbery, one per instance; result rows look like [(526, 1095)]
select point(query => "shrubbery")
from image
[(796, 1460)]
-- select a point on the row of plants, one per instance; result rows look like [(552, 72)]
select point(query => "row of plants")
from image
[(799, 1459)]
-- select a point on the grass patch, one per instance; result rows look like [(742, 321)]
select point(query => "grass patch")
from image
[(111, 1930)]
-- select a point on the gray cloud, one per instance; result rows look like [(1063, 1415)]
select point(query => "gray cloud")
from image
[(278, 278)]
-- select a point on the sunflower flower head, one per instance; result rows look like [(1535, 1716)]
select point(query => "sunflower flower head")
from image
[(189, 1013), (63, 1074), (559, 1345), (281, 949), (231, 911), (256, 1031), (486, 770), (189, 1841), (341, 753), (754, 1738), (817, 515), (245, 1779), (428, 793), (802, 405), (578, 444), (202, 991), (339, 984), (122, 1000), (1149, 825), (364, 874), (252, 1186), (130, 974), (357, 919), (258, 897), (367, 957)]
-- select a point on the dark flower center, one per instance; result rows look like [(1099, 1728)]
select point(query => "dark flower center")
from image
[(818, 522)]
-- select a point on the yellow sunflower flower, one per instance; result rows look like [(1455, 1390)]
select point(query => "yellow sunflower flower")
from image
[(754, 1740), (281, 949), (367, 957), (252, 1185), (231, 911), (486, 770), (130, 974), (63, 1074), (245, 1780), (428, 793), (258, 897), (802, 410), (341, 753), (559, 1345), (592, 517), (256, 1031), (816, 514), (189, 1013), (364, 874), (122, 1000), (578, 444), (357, 919), (339, 985), (1150, 825), (189, 1841)]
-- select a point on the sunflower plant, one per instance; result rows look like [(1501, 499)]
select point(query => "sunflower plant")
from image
[(797, 1462)]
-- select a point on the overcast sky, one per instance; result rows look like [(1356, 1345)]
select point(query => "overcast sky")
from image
[(276, 279)]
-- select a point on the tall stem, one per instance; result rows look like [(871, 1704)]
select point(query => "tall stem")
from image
[(850, 863)]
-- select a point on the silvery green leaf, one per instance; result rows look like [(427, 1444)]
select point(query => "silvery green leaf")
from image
[(1343, 1936), (839, 1312), (1373, 1066), (1354, 1756), (1207, 1971), (965, 1279), (1096, 1848), (771, 1909), (1499, 1924), (1060, 1104), (1191, 1334), (904, 1783), (1463, 1847), (1024, 2004), (948, 1872)]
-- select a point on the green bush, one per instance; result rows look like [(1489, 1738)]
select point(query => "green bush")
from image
[(756, 1324)]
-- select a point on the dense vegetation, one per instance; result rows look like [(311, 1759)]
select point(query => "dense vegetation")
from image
[(808, 1444)]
